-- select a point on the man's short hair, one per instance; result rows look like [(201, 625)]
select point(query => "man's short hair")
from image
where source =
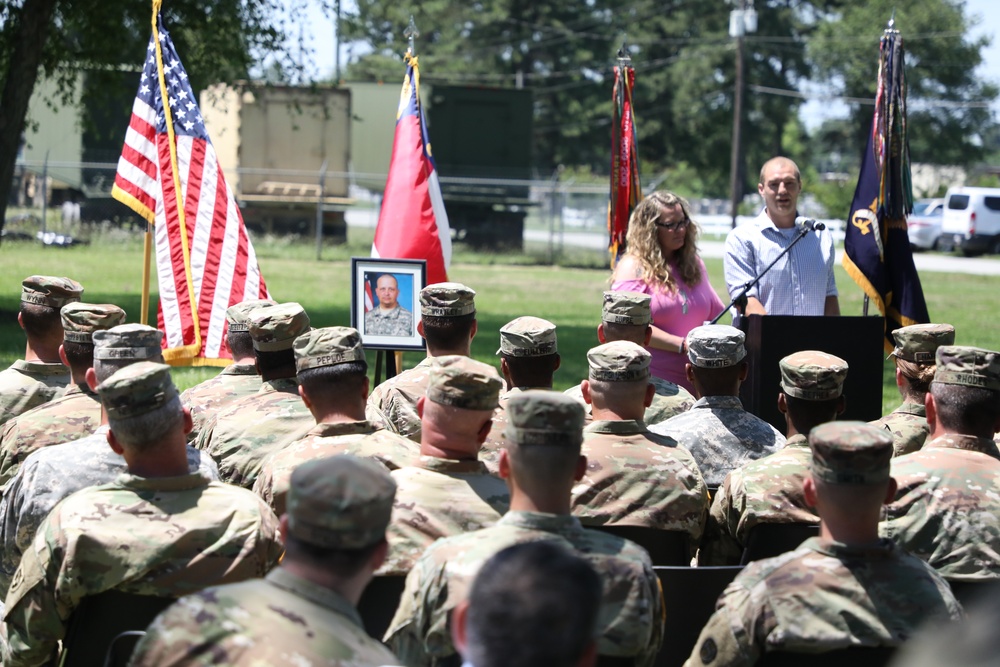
[(342, 562), (448, 333), (79, 355), (40, 322), (240, 344), (268, 362), (966, 410), (532, 605), (635, 333), (807, 414), (337, 380), (146, 430), (715, 381), (532, 371)]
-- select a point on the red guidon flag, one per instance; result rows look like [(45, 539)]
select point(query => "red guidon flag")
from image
[(412, 223), (625, 188), (168, 174)]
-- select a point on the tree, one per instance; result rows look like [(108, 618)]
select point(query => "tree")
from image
[(949, 120), (218, 39)]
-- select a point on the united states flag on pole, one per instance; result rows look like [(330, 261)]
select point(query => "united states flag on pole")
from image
[(168, 174), (412, 223)]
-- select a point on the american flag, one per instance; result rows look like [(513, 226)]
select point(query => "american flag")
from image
[(204, 259)]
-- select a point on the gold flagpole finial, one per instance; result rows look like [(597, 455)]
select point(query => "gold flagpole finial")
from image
[(411, 33)]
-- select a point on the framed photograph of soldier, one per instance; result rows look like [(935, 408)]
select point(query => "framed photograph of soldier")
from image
[(384, 303)]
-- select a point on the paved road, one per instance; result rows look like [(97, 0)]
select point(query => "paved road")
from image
[(923, 261)]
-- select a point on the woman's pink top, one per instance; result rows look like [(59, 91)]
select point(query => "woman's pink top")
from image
[(676, 314)]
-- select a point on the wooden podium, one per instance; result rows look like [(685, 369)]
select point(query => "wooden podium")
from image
[(857, 340)]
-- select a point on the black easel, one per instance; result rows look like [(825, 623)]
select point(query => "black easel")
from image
[(389, 356)]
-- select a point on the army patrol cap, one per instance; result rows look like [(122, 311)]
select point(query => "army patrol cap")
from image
[(329, 346), (136, 390), (238, 315), (919, 342), (128, 341), (528, 337), (50, 291), (630, 308), (81, 320), (275, 328), (462, 382), (850, 452), (813, 375), (447, 300), (968, 366), (340, 502), (715, 346), (539, 417), (618, 361)]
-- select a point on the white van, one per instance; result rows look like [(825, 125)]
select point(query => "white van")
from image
[(971, 221)]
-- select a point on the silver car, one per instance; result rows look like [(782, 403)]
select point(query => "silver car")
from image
[(923, 226)]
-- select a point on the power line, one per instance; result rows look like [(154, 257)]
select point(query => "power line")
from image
[(870, 101)]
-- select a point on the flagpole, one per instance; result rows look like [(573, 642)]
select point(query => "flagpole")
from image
[(147, 252)]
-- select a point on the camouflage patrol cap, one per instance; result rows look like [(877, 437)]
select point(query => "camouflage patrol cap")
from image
[(128, 341), (850, 452), (462, 382), (238, 315), (81, 320), (630, 308), (50, 291), (715, 346), (275, 328), (329, 346), (447, 300), (340, 502), (136, 390), (968, 366), (812, 375), (919, 342), (618, 361), (528, 337), (539, 417)]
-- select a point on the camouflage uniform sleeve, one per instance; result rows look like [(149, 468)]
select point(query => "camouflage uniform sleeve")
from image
[(12, 526), (269, 547), (719, 545), (728, 639), (648, 657), (406, 633), (36, 611)]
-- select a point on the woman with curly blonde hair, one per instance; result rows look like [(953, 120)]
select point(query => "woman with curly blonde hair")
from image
[(662, 261)]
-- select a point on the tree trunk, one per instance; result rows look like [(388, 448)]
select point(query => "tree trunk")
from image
[(30, 34)]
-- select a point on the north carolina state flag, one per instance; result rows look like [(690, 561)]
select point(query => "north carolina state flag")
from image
[(412, 223)]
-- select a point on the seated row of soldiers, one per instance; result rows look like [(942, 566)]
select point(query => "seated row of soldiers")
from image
[(552, 467)]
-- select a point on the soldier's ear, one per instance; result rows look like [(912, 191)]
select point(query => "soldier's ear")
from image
[(91, 377), (365, 386), (650, 393), (459, 636), (474, 330), (420, 406), (744, 371), (890, 491), (601, 337), (581, 468), (585, 390), (62, 356), (20, 321), (420, 328), (809, 491), (116, 446), (305, 399), (649, 335)]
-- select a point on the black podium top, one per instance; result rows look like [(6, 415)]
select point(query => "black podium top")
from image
[(856, 340)]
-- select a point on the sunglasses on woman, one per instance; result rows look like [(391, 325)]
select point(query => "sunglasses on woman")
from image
[(671, 226)]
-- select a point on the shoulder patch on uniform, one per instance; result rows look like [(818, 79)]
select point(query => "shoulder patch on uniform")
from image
[(708, 651)]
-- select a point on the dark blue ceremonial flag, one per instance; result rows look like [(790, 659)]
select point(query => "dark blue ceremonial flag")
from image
[(877, 254)]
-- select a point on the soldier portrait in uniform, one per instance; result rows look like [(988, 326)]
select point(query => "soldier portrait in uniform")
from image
[(384, 296)]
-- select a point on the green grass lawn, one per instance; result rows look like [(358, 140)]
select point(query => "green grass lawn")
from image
[(507, 286)]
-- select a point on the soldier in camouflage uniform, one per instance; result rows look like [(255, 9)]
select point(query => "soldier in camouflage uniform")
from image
[(448, 324), (77, 412), (769, 490), (845, 588), (41, 375), (634, 477), (718, 432), (626, 316), (914, 355), (165, 532), (448, 490), (333, 382), (947, 505), (529, 358), (233, 382), (388, 318), (304, 612), (53, 473), (250, 429), (541, 462)]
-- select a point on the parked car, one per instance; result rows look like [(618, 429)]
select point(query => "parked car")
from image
[(923, 226), (971, 221)]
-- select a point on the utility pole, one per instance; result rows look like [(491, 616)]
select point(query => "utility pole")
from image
[(741, 21), (336, 52)]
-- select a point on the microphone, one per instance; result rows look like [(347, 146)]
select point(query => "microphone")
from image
[(809, 224)]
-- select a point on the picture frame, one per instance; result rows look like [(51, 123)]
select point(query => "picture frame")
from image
[(394, 328)]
